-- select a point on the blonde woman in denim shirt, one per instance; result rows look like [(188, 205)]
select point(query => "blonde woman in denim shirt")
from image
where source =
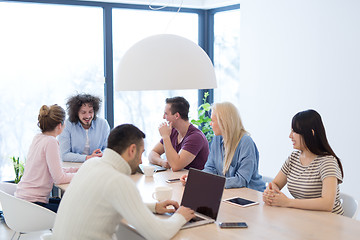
[(233, 153)]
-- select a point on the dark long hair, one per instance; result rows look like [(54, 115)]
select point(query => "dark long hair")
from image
[(310, 126)]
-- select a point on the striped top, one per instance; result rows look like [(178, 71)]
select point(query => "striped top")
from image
[(305, 182)]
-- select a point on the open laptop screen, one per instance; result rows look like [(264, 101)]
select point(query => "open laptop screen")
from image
[(203, 192)]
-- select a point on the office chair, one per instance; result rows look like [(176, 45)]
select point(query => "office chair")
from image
[(350, 205), (22, 216), (46, 236), (7, 187)]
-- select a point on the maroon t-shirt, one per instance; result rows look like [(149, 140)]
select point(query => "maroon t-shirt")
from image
[(195, 143)]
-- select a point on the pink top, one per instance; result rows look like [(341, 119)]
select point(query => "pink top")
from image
[(42, 170)]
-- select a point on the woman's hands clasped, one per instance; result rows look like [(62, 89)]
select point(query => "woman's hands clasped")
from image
[(272, 196)]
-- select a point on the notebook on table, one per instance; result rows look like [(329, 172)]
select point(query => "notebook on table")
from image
[(203, 192)]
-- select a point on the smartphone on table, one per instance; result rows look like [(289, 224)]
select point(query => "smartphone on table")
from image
[(233, 225), (173, 180)]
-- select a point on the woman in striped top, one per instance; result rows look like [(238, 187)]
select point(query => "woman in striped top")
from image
[(312, 172)]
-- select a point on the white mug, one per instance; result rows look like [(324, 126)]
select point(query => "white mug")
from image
[(162, 193), (148, 170)]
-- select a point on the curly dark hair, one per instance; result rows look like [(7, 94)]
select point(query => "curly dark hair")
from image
[(74, 104)]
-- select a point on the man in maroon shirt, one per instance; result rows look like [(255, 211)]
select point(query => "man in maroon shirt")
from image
[(184, 145)]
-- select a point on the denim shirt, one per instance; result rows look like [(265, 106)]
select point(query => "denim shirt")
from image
[(72, 140), (243, 170)]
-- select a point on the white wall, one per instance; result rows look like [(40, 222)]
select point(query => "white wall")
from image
[(297, 55)]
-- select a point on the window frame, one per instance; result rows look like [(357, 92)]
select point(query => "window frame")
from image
[(205, 39)]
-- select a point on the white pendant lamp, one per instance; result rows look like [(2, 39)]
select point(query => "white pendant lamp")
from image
[(164, 62)]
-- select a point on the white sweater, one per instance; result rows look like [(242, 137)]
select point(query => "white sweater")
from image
[(102, 194)]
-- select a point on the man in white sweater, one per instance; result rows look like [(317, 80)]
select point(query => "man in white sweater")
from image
[(102, 194)]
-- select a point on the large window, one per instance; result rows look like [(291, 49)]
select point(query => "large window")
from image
[(226, 55), (145, 108), (47, 53)]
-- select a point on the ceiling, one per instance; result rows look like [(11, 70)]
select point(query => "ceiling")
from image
[(201, 4)]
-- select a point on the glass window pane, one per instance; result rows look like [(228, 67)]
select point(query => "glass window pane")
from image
[(48, 52), (226, 55), (145, 109)]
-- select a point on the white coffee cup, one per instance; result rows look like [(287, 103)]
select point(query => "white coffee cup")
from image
[(148, 170), (162, 193)]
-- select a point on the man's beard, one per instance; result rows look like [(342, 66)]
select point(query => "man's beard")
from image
[(86, 123), (135, 163)]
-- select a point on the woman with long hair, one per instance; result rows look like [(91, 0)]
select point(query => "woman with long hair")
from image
[(43, 164), (233, 153), (312, 172)]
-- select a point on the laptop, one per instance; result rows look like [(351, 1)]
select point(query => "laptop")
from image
[(203, 192), (157, 168)]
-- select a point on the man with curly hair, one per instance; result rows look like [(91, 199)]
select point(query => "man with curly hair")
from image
[(85, 135)]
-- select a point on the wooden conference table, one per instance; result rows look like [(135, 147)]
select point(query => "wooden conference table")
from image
[(264, 222)]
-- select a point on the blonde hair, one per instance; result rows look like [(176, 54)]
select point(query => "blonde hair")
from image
[(232, 129), (50, 117)]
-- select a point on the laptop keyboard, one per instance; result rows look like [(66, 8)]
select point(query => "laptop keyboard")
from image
[(196, 219)]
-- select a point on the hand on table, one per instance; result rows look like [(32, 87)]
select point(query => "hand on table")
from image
[(165, 164), (279, 199), (274, 197), (161, 207), (96, 153), (183, 179), (187, 213), (268, 194)]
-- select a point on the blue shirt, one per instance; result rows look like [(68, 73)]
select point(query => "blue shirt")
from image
[(73, 139), (243, 170)]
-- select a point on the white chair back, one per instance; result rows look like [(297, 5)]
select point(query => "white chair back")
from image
[(7, 187), (350, 205), (23, 216), (46, 236)]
